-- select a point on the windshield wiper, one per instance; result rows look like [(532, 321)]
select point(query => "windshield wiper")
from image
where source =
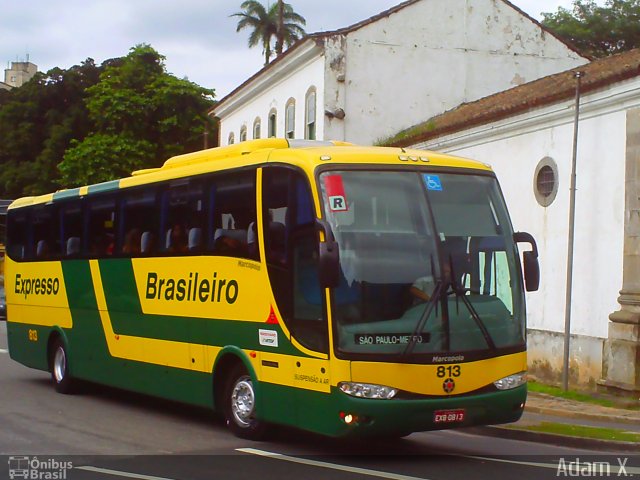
[(460, 293), (432, 302)]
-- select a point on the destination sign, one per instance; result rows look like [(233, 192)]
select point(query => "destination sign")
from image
[(389, 338)]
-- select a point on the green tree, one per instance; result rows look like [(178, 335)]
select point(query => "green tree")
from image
[(94, 123), (264, 25), (141, 115), (104, 156), (598, 30), (38, 121)]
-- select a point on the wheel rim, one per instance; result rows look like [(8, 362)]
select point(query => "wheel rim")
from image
[(243, 401), (59, 364)]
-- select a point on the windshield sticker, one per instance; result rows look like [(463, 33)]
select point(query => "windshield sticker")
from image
[(433, 182), (389, 338), (335, 193)]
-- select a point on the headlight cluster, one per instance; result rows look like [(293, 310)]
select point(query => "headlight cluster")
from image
[(367, 390), (512, 381)]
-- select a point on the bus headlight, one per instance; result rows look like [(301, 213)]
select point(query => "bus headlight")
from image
[(367, 390), (512, 381)]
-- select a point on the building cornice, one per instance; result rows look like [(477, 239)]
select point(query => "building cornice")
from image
[(279, 70)]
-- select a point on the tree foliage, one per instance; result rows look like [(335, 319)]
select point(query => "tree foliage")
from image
[(94, 123), (141, 113), (38, 121), (263, 23), (597, 30)]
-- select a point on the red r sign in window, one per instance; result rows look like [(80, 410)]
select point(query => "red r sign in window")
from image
[(336, 196)]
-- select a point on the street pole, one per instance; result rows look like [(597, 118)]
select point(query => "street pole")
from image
[(206, 135), (572, 217)]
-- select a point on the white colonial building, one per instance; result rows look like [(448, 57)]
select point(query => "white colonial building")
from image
[(526, 134), (365, 82)]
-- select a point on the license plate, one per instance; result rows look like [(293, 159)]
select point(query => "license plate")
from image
[(448, 416)]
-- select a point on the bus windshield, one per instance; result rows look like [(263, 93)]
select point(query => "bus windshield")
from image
[(428, 264)]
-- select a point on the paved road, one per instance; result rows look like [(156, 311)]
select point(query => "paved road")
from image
[(114, 434)]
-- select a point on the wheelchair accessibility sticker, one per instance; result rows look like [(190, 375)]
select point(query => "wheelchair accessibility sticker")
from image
[(433, 182)]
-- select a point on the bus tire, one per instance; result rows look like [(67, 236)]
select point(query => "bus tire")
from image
[(239, 406), (59, 367)]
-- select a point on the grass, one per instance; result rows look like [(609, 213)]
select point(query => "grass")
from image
[(569, 395), (584, 432)]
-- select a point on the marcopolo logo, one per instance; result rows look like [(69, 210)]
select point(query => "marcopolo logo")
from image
[(37, 469), (36, 286)]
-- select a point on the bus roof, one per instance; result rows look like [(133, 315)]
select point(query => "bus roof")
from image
[(306, 154)]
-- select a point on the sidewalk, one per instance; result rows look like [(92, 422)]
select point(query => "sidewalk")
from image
[(542, 410)]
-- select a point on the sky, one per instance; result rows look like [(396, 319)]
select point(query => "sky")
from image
[(197, 37)]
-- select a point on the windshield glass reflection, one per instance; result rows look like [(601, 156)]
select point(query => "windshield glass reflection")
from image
[(427, 263)]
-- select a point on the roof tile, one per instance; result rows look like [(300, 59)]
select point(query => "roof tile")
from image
[(545, 91)]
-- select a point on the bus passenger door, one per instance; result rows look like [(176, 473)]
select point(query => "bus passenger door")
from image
[(309, 328), (291, 254)]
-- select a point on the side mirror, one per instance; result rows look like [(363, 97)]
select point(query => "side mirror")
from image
[(530, 259), (329, 256)]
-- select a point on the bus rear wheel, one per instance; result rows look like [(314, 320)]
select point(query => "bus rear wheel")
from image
[(59, 367), (239, 406)]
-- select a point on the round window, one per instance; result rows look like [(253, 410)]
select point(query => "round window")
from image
[(545, 182)]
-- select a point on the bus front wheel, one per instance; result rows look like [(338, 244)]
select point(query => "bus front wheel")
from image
[(240, 404), (59, 366)]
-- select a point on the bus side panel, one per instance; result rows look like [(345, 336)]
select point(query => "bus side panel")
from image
[(90, 358), (28, 344), (36, 301)]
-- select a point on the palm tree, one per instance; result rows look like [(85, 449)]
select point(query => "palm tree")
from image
[(264, 23)]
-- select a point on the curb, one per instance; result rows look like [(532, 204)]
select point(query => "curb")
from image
[(555, 439), (582, 415)]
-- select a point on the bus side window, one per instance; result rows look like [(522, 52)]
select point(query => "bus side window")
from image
[(45, 222), (101, 213), (71, 231), (234, 232), (17, 232), (138, 223), (185, 215)]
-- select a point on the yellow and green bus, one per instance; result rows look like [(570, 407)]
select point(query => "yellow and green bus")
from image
[(339, 289)]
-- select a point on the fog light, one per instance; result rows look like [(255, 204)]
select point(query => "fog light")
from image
[(512, 381), (367, 390)]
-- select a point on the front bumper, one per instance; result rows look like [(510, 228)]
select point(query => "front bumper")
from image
[(396, 416)]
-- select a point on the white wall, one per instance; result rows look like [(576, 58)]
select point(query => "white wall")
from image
[(296, 85), (514, 147), (436, 54)]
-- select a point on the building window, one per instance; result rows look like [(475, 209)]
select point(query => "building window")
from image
[(243, 133), (310, 115), (273, 121), (232, 139), (290, 119), (545, 181), (256, 128)]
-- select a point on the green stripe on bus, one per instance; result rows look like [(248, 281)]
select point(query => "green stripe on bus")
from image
[(71, 193), (104, 186), (88, 351)]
